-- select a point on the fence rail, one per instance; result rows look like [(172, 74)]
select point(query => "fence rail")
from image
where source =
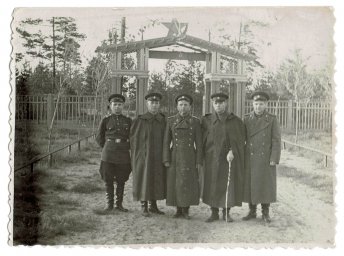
[(313, 115), (50, 154), (75, 111), (86, 111), (326, 155)]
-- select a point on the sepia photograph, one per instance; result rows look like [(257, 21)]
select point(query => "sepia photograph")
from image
[(173, 126)]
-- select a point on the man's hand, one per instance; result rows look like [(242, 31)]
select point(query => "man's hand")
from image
[(272, 163), (199, 167), (167, 164), (230, 156)]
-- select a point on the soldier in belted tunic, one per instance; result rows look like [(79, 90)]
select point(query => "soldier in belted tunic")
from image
[(262, 154), (146, 140), (113, 137), (182, 155), (223, 142)]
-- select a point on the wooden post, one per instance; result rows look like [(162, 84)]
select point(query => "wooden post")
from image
[(50, 108), (231, 102), (206, 98), (141, 90), (290, 115), (242, 98), (142, 81), (50, 160), (207, 90), (116, 85)]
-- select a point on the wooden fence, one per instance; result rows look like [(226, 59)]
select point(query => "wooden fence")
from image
[(84, 111), (313, 115), (71, 111)]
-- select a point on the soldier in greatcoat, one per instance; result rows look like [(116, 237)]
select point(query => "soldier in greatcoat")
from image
[(182, 154), (262, 154), (223, 142), (113, 137), (146, 140)]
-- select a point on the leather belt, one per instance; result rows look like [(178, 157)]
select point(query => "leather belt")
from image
[(118, 140)]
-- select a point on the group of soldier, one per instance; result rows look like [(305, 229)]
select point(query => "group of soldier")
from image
[(219, 158)]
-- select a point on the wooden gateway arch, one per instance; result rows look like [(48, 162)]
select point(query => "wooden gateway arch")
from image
[(216, 57)]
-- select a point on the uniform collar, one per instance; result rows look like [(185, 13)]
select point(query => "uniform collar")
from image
[(149, 115), (226, 115), (179, 116), (114, 115), (264, 116)]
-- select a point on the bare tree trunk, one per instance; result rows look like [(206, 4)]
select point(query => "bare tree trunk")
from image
[(95, 111), (79, 117), (297, 121), (54, 115)]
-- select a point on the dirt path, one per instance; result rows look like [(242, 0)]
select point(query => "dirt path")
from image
[(303, 214)]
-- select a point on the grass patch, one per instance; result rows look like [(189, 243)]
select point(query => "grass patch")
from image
[(25, 210), (315, 139), (312, 180), (51, 184), (85, 188), (52, 225), (67, 202), (314, 156)]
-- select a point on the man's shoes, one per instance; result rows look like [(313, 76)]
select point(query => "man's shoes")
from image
[(214, 215), (144, 207), (252, 214), (153, 208), (178, 213), (226, 216), (265, 213), (119, 198), (185, 213)]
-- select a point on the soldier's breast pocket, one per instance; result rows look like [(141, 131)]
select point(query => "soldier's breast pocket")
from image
[(126, 128)]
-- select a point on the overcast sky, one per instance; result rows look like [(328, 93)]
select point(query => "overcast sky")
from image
[(307, 28)]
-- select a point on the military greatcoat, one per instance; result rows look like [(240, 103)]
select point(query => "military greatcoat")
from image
[(183, 150), (220, 135), (146, 140), (263, 145)]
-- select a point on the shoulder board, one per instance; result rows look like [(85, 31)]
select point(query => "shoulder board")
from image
[(208, 114), (162, 114), (270, 114), (170, 117), (107, 115), (195, 117)]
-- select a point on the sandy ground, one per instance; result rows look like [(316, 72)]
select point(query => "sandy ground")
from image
[(304, 213)]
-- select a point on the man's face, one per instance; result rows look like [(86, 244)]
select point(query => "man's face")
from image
[(259, 107), (220, 106), (153, 106), (184, 107), (116, 107)]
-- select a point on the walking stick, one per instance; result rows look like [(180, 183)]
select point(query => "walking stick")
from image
[(228, 180)]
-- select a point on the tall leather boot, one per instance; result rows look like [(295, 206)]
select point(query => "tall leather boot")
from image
[(153, 208), (109, 197), (214, 215), (226, 216), (265, 213), (144, 207), (178, 213), (185, 213), (252, 214), (119, 197)]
